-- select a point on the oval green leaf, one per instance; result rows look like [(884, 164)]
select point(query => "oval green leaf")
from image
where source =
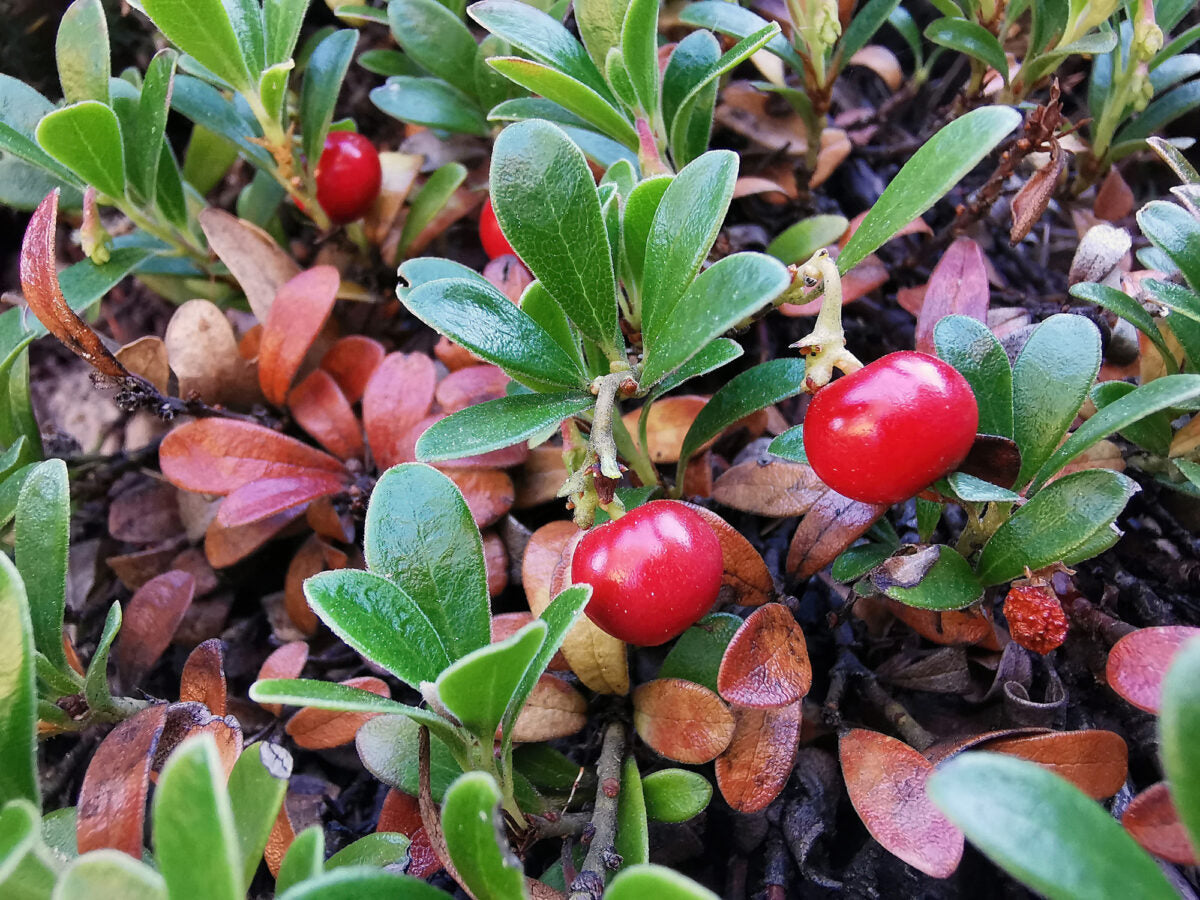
[(676, 795)]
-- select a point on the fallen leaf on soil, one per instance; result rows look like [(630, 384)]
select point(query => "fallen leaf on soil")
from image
[(886, 780), (508, 275), (262, 499), (185, 720), (469, 386), (756, 764), (254, 258), (745, 572), (320, 408), (957, 286), (667, 425), (297, 316), (882, 62), (320, 729), (554, 710), (401, 813), (135, 569), (1138, 662), (225, 546), (495, 558), (151, 617), (324, 518), (352, 361), (204, 355), (1095, 761), (397, 397), (832, 524), (993, 458), (766, 664), (775, 489), (286, 662), (489, 492), (145, 513), (203, 677), (1153, 821), (682, 720), (1114, 200), (314, 555), (454, 356), (940, 751)]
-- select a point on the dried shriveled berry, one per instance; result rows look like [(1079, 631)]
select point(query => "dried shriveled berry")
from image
[(1035, 617)]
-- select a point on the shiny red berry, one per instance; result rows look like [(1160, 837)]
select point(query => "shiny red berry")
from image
[(883, 433), (1035, 617), (348, 176), (493, 239), (653, 572)]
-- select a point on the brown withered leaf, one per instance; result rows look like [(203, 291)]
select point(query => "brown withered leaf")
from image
[(401, 813), (39, 282), (146, 512), (280, 839), (399, 172), (112, 801), (1186, 439), (766, 664), (882, 62), (682, 720), (185, 720), (204, 620), (964, 626), (539, 479), (958, 285), (554, 710), (320, 408), (698, 476), (135, 569), (667, 425), (147, 358), (324, 518), (886, 781), (993, 458), (203, 677), (285, 662), (835, 147), (352, 360), (1153, 821), (1114, 200), (1034, 196), (1138, 662), (944, 671), (745, 573), (543, 553), (470, 386), (255, 259), (1101, 455), (151, 617), (225, 546), (204, 355), (397, 397), (832, 524), (192, 560), (495, 558), (505, 625), (297, 316), (320, 729), (1095, 761), (489, 492), (775, 488), (756, 764), (940, 751), (314, 555)]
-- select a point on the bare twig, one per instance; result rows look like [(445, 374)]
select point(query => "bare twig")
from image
[(601, 855)]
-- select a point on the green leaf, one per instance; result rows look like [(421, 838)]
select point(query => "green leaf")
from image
[(973, 350), (752, 390), (478, 688), (636, 223), (737, 22), (867, 20), (81, 50), (1043, 830), (498, 423), (487, 323), (43, 530), (436, 39), (548, 208), (204, 105), (304, 860), (95, 683), (387, 62), (202, 29), (195, 842), (146, 146), (18, 693), (1130, 310), (431, 198), (659, 882), (724, 294), (384, 848), (540, 306), (389, 749), (690, 61), (1051, 378), (109, 873), (976, 490), (282, 20), (1159, 114), (790, 445), (970, 38), (430, 102), (207, 159), (685, 225), (1152, 432), (21, 108), (639, 48), (806, 237), (713, 356), (257, 786), (1179, 730), (1176, 232), (474, 830), (856, 562), (900, 19), (86, 138), (419, 534), (927, 176), (1058, 520), (947, 584), (676, 795), (696, 655), (357, 882), (633, 831), (323, 78)]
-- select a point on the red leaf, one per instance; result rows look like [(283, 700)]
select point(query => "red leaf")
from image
[(203, 678), (225, 546), (320, 408), (489, 492), (314, 555), (1138, 662), (296, 318), (886, 779), (217, 456), (831, 525), (402, 813), (352, 361), (957, 286), (39, 281), (1094, 760), (766, 664), (286, 662), (151, 617), (320, 729), (469, 386), (397, 397), (758, 762), (262, 499), (1153, 821)]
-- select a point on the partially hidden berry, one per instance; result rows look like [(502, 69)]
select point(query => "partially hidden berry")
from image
[(349, 176), (1036, 619)]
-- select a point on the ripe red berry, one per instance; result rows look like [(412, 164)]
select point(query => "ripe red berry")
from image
[(653, 572), (493, 239), (1035, 617), (348, 176), (883, 433)]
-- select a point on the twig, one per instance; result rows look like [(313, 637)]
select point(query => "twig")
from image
[(135, 392), (601, 855)]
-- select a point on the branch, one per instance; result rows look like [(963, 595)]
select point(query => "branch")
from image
[(601, 856)]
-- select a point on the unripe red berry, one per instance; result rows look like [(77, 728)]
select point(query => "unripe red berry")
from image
[(348, 176), (1036, 619)]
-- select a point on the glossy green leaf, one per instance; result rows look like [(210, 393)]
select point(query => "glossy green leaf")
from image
[(475, 836), (721, 297), (519, 108), (971, 38), (617, 76), (927, 176), (145, 149), (43, 530), (18, 692), (867, 20), (713, 356), (436, 39), (696, 655), (976, 490), (95, 683), (389, 749), (973, 350), (387, 62), (676, 795), (478, 688), (195, 842), (109, 873), (599, 23), (752, 390), (806, 237), (323, 78), (379, 620), (659, 882), (498, 423), (949, 583), (17, 420), (431, 198), (1060, 518), (1043, 830), (304, 860), (204, 105), (430, 102), (384, 848), (546, 202), (357, 882), (1159, 114), (856, 562), (1176, 232), (540, 306), (27, 868), (1130, 310), (790, 445), (1179, 730), (21, 109), (691, 60), (257, 786), (738, 22), (636, 222), (282, 20), (82, 53), (10, 489), (207, 159), (633, 831), (85, 284), (86, 138), (1151, 432), (1051, 378), (639, 48), (203, 29)]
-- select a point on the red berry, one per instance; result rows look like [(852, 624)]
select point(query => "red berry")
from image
[(348, 176), (883, 433), (493, 239), (653, 572), (1036, 619)]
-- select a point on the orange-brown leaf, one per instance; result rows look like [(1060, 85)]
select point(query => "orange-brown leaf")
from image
[(776, 489), (538, 481), (206, 356), (1095, 761), (320, 729), (280, 839), (297, 316), (962, 626), (1114, 200), (255, 259), (505, 625), (682, 720), (1034, 196), (554, 710), (667, 425), (766, 664), (314, 555), (187, 719), (352, 361), (756, 765), (285, 662), (1138, 662), (225, 546), (402, 813), (454, 356), (958, 286), (489, 492), (320, 408), (260, 500), (151, 617), (832, 524), (325, 519), (470, 386), (886, 780), (203, 677), (397, 397), (147, 358), (745, 573), (1153, 821), (495, 558)]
